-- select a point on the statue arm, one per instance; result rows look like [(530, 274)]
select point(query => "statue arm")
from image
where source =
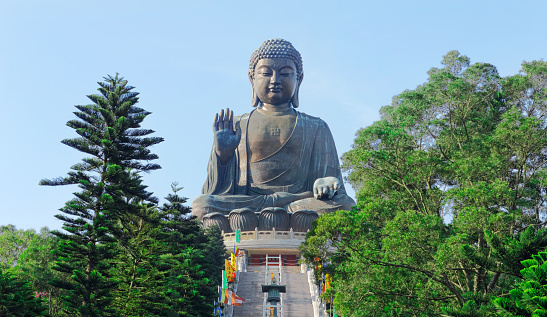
[(328, 177), (222, 171), (221, 177)]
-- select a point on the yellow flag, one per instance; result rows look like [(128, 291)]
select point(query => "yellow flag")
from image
[(230, 273), (234, 262)]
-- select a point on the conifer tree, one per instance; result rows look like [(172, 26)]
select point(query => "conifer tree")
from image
[(17, 299), (110, 134), (215, 255), (187, 291), (138, 252)]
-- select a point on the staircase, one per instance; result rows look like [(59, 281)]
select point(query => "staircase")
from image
[(296, 301), (249, 288)]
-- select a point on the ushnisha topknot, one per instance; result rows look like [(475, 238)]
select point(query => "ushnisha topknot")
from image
[(277, 48)]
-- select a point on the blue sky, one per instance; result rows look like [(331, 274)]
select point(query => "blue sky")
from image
[(188, 59)]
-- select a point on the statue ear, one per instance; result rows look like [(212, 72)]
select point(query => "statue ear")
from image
[(295, 103), (255, 101)]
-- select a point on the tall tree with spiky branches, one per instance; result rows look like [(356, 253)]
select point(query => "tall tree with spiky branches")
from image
[(110, 134), (187, 290)]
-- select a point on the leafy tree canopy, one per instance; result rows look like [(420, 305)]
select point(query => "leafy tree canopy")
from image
[(451, 186)]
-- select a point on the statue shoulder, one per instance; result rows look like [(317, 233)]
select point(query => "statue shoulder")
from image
[(241, 117), (311, 120)]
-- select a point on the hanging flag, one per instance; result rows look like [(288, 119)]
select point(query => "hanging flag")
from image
[(230, 273), (227, 299), (234, 261), (217, 310), (224, 279), (238, 236), (220, 294), (328, 280), (236, 300)]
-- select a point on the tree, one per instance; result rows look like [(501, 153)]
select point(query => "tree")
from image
[(135, 263), (13, 243), (451, 186), (529, 297), (215, 255), (110, 134), (187, 290), (17, 299), (35, 265), (28, 258)]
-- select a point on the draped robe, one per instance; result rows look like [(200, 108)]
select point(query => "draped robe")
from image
[(231, 185)]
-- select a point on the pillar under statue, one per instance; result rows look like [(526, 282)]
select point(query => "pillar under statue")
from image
[(274, 160)]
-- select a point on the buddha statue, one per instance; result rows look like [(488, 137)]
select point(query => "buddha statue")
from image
[(274, 156)]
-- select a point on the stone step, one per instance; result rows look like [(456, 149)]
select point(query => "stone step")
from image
[(297, 301)]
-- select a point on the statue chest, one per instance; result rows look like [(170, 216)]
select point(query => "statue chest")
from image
[(266, 135), (273, 148)]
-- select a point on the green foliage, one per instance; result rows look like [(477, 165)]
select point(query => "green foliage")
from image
[(215, 255), (13, 243), (529, 298), (30, 259), (109, 132), (138, 251), (451, 186), (187, 290), (17, 299)]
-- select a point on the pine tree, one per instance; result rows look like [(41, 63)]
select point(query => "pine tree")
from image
[(187, 290), (109, 132), (138, 252), (215, 255), (17, 299)]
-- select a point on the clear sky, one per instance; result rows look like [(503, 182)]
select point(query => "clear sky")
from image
[(188, 59)]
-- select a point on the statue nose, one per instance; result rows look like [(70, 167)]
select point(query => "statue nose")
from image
[(275, 78)]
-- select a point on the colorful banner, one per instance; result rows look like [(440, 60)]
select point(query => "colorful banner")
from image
[(234, 261), (238, 236), (217, 311), (230, 272), (220, 294), (227, 296), (236, 300), (224, 279)]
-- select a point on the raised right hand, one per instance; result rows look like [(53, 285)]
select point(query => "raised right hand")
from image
[(226, 138)]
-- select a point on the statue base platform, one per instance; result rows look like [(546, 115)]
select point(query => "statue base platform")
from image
[(258, 243)]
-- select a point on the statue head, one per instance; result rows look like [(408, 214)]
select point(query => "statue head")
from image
[(273, 49)]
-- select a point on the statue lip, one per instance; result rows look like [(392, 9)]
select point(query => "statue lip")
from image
[(276, 89)]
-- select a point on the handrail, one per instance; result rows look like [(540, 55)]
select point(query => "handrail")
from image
[(265, 235)]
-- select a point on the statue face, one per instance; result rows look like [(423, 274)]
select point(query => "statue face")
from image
[(275, 80)]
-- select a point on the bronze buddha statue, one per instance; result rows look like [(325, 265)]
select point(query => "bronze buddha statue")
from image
[(273, 156)]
